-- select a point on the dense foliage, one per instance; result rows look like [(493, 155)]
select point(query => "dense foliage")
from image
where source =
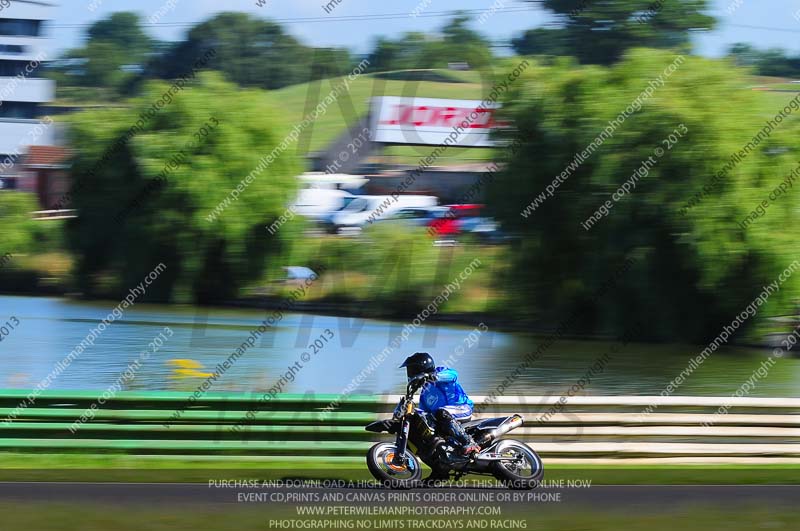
[(119, 56), (16, 225), (146, 199), (401, 273), (253, 52), (542, 41), (599, 31), (415, 50), (771, 62), (694, 270), (115, 48)]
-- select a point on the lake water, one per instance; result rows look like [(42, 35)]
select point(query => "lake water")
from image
[(49, 328)]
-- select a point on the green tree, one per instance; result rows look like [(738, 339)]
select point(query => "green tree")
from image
[(410, 51), (460, 43), (599, 31), (542, 41), (775, 62), (115, 48), (385, 54), (416, 50), (124, 30), (103, 68), (251, 52), (744, 54), (16, 224), (771, 62), (694, 270), (147, 199)]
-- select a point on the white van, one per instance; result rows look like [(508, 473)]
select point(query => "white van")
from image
[(366, 209), (317, 203)]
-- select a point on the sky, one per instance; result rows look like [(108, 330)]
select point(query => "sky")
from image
[(740, 20)]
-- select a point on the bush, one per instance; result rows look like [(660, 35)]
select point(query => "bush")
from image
[(148, 191), (17, 229), (396, 269), (694, 269)]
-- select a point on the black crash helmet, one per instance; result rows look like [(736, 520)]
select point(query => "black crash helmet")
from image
[(418, 363)]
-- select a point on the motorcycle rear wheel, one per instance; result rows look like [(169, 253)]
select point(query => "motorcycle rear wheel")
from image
[(524, 474), (379, 463)]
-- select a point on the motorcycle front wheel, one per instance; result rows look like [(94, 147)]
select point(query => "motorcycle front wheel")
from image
[(524, 472), (379, 462)]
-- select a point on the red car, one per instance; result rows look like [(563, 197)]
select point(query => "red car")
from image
[(449, 222)]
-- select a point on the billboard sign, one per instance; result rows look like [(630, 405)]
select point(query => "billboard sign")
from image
[(429, 121)]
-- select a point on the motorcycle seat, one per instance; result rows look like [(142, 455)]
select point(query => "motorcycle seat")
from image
[(467, 423)]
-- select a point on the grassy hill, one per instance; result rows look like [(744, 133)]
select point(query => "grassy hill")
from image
[(297, 99)]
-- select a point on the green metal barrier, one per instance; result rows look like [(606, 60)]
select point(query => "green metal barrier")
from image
[(145, 423), (215, 423)]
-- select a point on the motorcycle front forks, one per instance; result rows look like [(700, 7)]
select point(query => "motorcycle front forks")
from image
[(401, 444)]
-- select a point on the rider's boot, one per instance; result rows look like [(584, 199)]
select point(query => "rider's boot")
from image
[(470, 449), (451, 426)]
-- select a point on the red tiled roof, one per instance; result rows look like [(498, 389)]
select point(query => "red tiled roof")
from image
[(46, 156)]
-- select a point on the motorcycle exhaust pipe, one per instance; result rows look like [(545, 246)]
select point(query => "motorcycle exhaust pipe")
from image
[(511, 424)]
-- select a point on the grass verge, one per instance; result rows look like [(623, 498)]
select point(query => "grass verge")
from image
[(200, 469)]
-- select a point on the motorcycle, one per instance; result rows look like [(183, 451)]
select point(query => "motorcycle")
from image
[(397, 464)]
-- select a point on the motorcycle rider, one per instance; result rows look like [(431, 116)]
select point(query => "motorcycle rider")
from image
[(443, 399)]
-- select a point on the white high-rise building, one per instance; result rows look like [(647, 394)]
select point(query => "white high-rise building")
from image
[(22, 91)]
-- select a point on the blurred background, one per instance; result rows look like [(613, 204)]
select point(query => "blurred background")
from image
[(590, 194), (125, 135)]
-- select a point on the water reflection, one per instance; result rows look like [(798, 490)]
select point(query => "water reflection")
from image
[(50, 328)]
